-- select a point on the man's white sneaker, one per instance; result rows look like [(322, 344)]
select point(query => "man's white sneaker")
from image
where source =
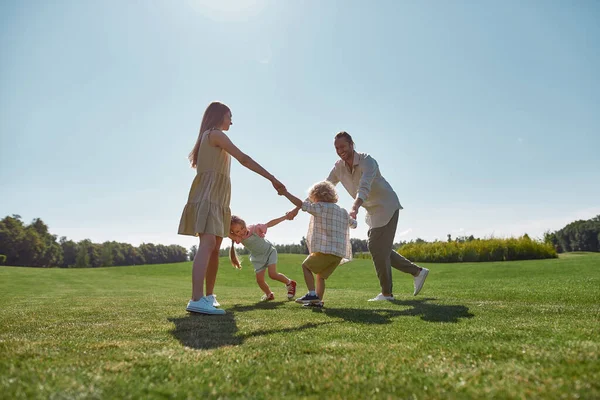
[(203, 306), (420, 280), (381, 297), (213, 298)]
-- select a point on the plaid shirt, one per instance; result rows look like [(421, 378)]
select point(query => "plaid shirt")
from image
[(328, 231)]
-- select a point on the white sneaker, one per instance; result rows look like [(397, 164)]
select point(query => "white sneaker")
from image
[(203, 306), (381, 297), (213, 297), (420, 280)]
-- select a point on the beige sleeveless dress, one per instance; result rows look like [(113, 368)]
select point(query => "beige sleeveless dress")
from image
[(207, 209)]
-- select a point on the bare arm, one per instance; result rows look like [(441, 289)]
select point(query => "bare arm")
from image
[(219, 139), (292, 214), (296, 201), (276, 221)]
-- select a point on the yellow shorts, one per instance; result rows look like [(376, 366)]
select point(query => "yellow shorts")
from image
[(322, 264)]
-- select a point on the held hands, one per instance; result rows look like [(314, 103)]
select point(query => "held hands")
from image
[(282, 191), (290, 215), (280, 187), (353, 213)]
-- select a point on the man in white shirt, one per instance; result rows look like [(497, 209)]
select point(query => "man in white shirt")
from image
[(360, 176)]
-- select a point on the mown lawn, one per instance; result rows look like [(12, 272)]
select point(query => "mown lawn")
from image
[(528, 329)]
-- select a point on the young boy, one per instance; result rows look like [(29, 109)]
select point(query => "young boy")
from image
[(328, 239)]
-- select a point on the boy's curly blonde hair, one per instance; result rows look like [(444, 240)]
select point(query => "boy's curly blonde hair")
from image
[(323, 192)]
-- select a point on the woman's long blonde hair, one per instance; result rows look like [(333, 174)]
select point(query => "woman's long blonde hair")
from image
[(233, 257), (213, 117)]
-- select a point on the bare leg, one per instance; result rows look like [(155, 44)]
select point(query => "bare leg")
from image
[(276, 276), (309, 278), (213, 267), (320, 287), (260, 279), (201, 259)]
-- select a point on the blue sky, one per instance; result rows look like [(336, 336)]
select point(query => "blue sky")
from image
[(484, 116)]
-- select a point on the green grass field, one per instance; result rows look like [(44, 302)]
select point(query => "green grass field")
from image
[(528, 329)]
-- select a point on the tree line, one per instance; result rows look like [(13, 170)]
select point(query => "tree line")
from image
[(581, 235), (34, 246)]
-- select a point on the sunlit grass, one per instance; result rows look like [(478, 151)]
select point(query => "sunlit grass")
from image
[(505, 330)]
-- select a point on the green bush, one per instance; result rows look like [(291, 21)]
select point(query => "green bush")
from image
[(478, 250), (2, 259), (364, 255)]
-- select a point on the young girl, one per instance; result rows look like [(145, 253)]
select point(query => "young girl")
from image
[(328, 238), (263, 254), (207, 212)]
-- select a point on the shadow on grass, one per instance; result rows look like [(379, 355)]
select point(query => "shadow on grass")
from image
[(199, 331), (263, 305), (427, 311)]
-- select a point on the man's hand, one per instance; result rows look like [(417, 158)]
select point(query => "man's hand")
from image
[(354, 211)]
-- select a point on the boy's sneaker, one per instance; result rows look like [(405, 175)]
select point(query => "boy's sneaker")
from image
[(213, 298), (203, 306), (291, 288), (308, 298), (268, 297), (420, 280), (320, 304)]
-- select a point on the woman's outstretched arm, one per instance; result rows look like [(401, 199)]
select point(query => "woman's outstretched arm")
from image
[(219, 139)]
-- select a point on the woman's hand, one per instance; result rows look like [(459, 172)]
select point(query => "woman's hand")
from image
[(280, 187)]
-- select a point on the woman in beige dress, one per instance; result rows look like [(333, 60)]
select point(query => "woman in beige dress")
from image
[(207, 212)]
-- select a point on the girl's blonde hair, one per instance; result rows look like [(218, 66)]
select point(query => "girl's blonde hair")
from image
[(233, 257), (323, 192), (213, 117)]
